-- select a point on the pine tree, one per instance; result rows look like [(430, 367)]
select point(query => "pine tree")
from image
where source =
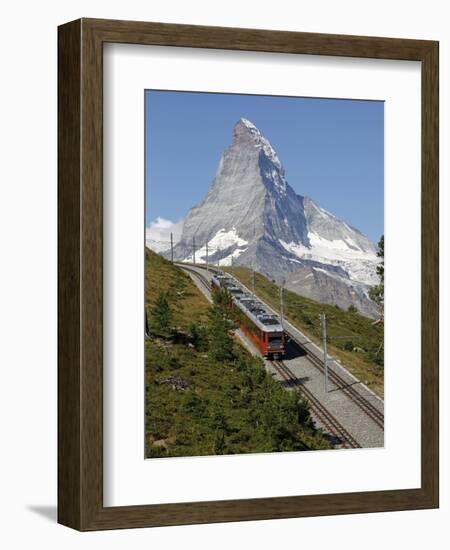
[(161, 312), (376, 293), (219, 329)]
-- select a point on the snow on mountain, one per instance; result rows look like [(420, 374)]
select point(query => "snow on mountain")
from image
[(223, 242), (327, 226), (345, 253), (252, 214)]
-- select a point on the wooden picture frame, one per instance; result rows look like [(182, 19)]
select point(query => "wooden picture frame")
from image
[(80, 271)]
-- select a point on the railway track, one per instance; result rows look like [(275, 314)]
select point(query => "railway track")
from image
[(328, 420), (204, 281), (362, 402)]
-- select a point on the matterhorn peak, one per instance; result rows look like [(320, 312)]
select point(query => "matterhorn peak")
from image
[(252, 217), (248, 124), (260, 141), (244, 126)]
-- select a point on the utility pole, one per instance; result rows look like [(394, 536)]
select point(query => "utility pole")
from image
[(171, 247), (218, 257), (207, 268), (193, 249), (253, 280), (281, 304), (323, 319), (231, 265)]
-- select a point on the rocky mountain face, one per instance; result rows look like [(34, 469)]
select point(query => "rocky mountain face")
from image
[(331, 287), (252, 217)]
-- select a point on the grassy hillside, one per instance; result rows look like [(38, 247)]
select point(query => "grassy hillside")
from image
[(353, 339), (198, 405)]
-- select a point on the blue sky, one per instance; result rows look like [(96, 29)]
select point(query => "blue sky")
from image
[(331, 150)]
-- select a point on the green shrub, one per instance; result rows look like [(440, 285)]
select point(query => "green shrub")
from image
[(348, 345)]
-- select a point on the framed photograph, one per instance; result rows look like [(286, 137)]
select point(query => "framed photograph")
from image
[(248, 274)]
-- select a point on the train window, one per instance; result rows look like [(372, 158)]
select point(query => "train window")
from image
[(276, 340)]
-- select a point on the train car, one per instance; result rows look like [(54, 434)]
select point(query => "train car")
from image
[(259, 325)]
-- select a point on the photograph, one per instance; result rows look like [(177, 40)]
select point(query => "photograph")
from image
[(264, 274)]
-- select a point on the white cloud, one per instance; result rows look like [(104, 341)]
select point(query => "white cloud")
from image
[(157, 234)]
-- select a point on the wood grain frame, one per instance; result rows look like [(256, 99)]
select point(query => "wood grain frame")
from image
[(80, 273)]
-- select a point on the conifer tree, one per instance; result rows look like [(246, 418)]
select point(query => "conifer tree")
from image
[(219, 328), (376, 293), (161, 312)]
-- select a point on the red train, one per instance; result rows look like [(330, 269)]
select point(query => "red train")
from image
[(261, 327)]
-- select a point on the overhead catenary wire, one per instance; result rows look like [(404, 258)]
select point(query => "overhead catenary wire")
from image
[(208, 252), (198, 248)]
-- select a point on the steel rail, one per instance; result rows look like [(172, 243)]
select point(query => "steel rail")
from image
[(362, 402), (329, 421)]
